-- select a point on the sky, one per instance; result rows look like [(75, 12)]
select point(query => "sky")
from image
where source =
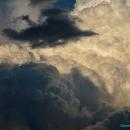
[(64, 64), (65, 4)]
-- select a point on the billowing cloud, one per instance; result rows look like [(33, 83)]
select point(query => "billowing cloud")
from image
[(57, 29), (37, 96), (115, 121), (11, 10), (87, 84)]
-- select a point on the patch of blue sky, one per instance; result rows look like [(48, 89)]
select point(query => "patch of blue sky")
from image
[(65, 4)]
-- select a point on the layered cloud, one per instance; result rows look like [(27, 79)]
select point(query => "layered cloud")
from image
[(57, 29), (83, 84), (37, 96), (39, 1), (115, 121)]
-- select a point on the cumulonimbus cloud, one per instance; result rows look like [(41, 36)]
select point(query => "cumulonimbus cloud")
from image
[(37, 96), (35, 93)]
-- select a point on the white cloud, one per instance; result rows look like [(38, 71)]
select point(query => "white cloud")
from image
[(104, 59)]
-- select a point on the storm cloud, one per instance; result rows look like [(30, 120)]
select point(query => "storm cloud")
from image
[(57, 29), (81, 86), (37, 96), (114, 121)]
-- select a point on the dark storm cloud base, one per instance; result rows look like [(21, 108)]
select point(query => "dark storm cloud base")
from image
[(38, 97)]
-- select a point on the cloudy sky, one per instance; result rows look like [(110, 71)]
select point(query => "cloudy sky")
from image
[(64, 64)]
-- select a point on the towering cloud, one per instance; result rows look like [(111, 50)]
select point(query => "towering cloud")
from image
[(37, 96), (82, 85)]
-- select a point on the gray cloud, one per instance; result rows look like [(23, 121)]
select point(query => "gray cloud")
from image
[(39, 1), (113, 122), (10, 10), (27, 23), (37, 96), (57, 29)]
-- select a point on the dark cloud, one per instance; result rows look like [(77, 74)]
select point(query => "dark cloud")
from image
[(39, 1), (53, 12), (57, 29), (38, 97), (114, 121)]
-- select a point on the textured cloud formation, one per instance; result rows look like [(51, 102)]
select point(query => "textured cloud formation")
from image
[(113, 122), (88, 78), (10, 10), (52, 27), (57, 29), (37, 96), (83, 4)]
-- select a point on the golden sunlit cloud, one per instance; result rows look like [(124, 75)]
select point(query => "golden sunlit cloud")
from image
[(92, 74)]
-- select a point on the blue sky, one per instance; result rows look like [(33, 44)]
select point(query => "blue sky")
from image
[(65, 4)]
